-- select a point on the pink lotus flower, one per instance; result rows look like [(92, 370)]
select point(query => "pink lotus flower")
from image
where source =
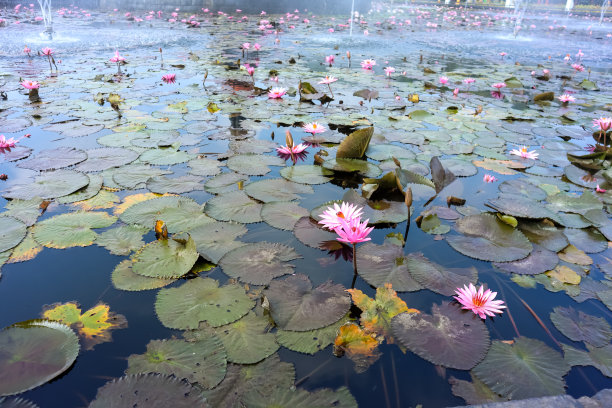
[(257, 46), (479, 301), (330, 60), (578, 67), (522, 152), (353, 231), (389, 71), (314, 127), (499, 85), (489, 178), (277, 93), (250, 70), (117, 58), (27, 50), (30, 84), (443, 80), (7, 143), (328, 80), (456, 92), (368, 64), (169, 78), (286, 150), (469, 81), (503, 54), (600, 190), (565, 98), (332, 217), (246, 46), (47, 51), (603, 124)]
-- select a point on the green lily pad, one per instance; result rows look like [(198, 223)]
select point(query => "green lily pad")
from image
[(165, 258), (574, 204), (12, 232), (474, 392), (123, 239), (203, 361), (296, 306), (449, 336), (225, 182), (489, 239), (362, 167), (276, 189), (258, 263), (140, 390), (33, 353), (253, 164), (310, 233), (124, 278), (49, 185), (382, 152), (53, 159), (234, 206), (165, 156), (579, 326), (201, 299), (380, 264), (355, 144), (438, 278), (85, 193), (538, 261), (523, 207), (135, 176), (244, 380), (522, 187), (598, 357), (306, 174), (298, 398), (105, 158), (179, 213), (257, 146), (431, 224), (203, 166), (312, 341), (588, 240), (526, 369), (175, 185), (282, 215), (247, 340), (545, 234), (459, 167), (215, 239), (71, 229), (26, 211)]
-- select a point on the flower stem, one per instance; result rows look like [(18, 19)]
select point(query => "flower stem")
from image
[(330, 91), (355, 259)]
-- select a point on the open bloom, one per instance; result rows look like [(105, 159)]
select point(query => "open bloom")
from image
[(328, 80), (7, 143), (27, 50), (257, 46), (314, 127), (600, 190), (499, 85), (468, 81), (522, 152), (246, 46), (389, 71), (47, 51), (368, 63), (30, 84), (353, 231), (603, 124), (489, 178), (277, 93), (332, 217), (330, 59), (578, 67), (117, 58), (565, 98), (169, 78), (443, 80), (286, 150), (479, 301), (251, 70)]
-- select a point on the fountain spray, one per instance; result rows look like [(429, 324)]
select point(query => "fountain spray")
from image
[(45, 8)]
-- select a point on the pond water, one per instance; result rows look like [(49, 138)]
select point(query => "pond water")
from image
[(107, 155)]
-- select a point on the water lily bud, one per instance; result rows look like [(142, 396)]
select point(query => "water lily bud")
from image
[(397, 162), (288, 139), (348, 54), (408, 197)]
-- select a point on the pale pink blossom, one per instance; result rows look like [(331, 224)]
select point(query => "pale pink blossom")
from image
[(522, 152), (47, 51), (479, 301), (277, 93), (489, 178), (328, 80), (331, 218), (600, 190), (117, 58), (443, 80), (578, 67), (389, 71), (499, 85), (565, 98), (314, 127), (368, 64), (30, 84), (330, 60), (603, 124), (7, 143)]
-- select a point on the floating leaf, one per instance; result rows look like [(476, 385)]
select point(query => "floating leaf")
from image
[(574, 204), (538, 261), (166, 258), (93, 188), (225, 182), (545, 234), (105, 158), (258, 263), (499, 166), (49, 185), (26, 250), (130, 200), (276, 189), (203, 361), (573, 255), (179, 213), (579, 326), (104, 199), (203, 166), (298, 398), (53, 159), (306, 174), (247, 340), (598, 357), (253, 164), (382, 152), (136, 175), (380, 264), (489, 239), (140, 390), (475, 392), (234, 206), (175, 185), (309, 342), (362, 167), (295, 305), (523, 207), (16, 403), (450, 336), (310, 233), (122, 240), (564, 275), (71, 229), (124, 278), (521, 187), (33, 353), (358, 345), (588, 240), (201, 299), (165, 156), (438, 278), (282, 215), (528, 368), (26, 211), (12, 232), (215, 239), (377, 313), (431, 224)]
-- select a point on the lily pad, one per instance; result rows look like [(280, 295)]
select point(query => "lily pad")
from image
[(105, 158), (33, 353), (123, 239), (598, 357), (579, 326), (253, 164), (124, 278), (165, 156), (306, 174), (282, 215), (247, 340), (295, 305), (225, 182), (215, 239), (489, 239), (538, 261), (140, 390), (165, 258), (175, 185), (475, 392), (53, 159), (201, 299), (380, 264), (179, 213), (234, 206), (310, 233), (136, 175), (85, 193), (545, 234), (26, 211), (258, 263), (276, 189), (522, 187), (528, 368), (49, 185), (588, 240), (438, 278), (71, 229), (203, 361), (12, 232), (203, 166), (309, 342), (449, 336), (298, 398), (362, 167)]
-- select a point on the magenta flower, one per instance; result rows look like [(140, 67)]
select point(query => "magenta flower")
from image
[(30, 84), (328, 80), (47, 51), (503, 54), (600, 190), (353, 231), (456, 92), (443, 80), (314, 127), (117, 58), (603, 124), (246, 46), (257, 46), (489, 178), (368, 64), (565, 98), (7, 143), (479, 301), (27, 50), (499, 85), (578, 67), (523, 153), (332, 217), (389, 71), (291, 150), (469, 81), (330, 60), (277, 93), (169, 78)]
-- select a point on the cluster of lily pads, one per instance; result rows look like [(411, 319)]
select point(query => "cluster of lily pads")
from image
[(191, 161)]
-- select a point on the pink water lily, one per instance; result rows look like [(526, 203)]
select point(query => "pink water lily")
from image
[(333, 216), (499, 85), (27, 50), (330, 60), (117, 58), (522, 152), (169, 78), (286, 150), (30, 84), (47, 51), (353, 231), (7, 143), (443, 80), (600, 190), (489, 178), (578, 67), (314, 127), (277, 93), (328, 80), (566, 98), (368, 64), (479, 301), (389, 71)]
